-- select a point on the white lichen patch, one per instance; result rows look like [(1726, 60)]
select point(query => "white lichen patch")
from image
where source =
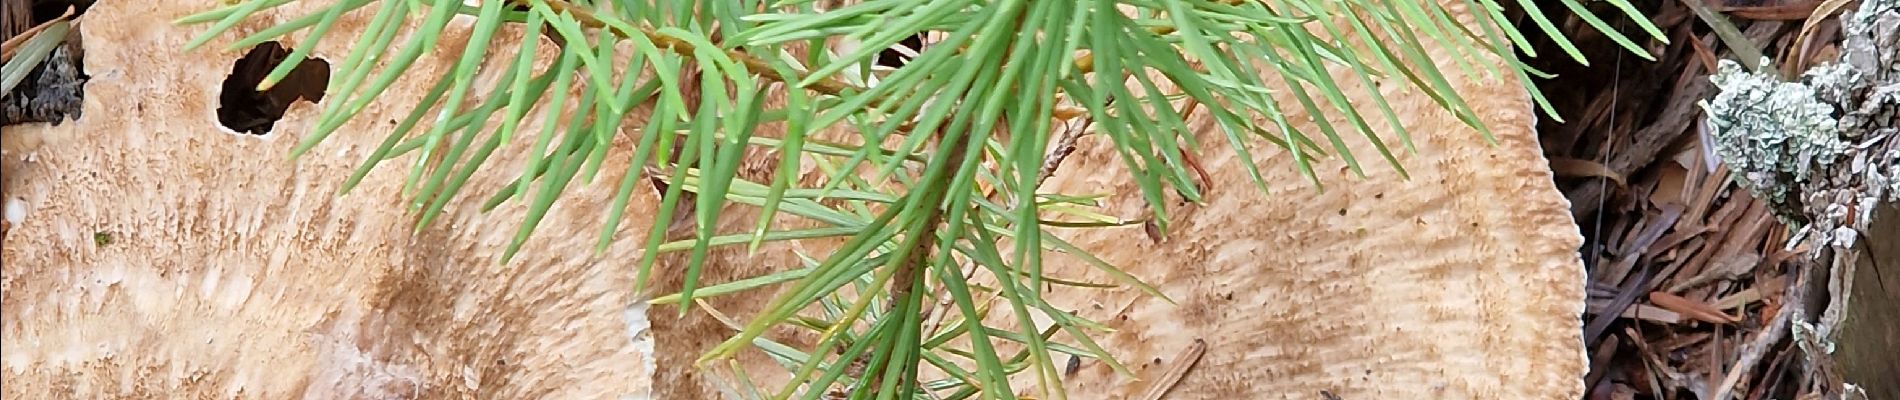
[(1828, 145), (1771, 133), (1872, 19)]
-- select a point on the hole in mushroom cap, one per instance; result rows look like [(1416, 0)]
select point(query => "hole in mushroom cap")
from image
[(244, 109), (901, 53)]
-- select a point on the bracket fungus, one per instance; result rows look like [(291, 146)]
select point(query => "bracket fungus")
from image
[(236, 274)]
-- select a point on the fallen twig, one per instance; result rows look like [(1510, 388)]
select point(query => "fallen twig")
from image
[(1751, 352), (1173, 376)]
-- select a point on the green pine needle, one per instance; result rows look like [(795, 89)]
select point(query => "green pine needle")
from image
[(914, 224)]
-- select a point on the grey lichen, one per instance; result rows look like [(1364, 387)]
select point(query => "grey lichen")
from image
[(1823, 152), (1872, 47), (1875, 22), (1773, 134), (1822, 147)]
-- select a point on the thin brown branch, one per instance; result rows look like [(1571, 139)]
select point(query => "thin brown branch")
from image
[(1065, 145), (1187, 359), (923, 241)]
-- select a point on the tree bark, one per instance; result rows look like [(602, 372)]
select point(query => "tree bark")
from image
[(1824, 152)]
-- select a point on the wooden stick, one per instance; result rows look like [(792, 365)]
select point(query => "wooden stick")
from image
[(13, 44), (1173, 376)]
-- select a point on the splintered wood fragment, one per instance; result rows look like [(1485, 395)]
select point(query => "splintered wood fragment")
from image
[(1691, 308), (1600, 358), (1733, 238), (1752, 351), (1732, 267), (1653, 364), (1629, 291), (1684, 231), (1173, 376), (1784, 12), (14, 41), (1573, 167), (1637, 312), (1738, 299)]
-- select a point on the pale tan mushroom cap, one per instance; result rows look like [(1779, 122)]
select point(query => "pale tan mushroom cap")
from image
[(233, 272), (1462, 282)]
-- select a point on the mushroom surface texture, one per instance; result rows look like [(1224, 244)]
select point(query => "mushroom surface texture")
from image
[(162, 255)]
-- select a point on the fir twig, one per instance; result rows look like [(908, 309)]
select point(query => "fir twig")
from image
[(991, 94)]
